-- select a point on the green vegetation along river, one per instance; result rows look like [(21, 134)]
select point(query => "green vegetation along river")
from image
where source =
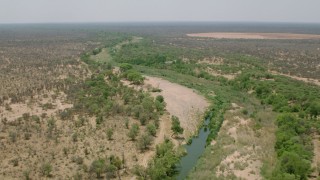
[(194, 151)]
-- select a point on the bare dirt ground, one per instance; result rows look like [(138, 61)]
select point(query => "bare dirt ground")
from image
[(182, 102), (229, 35)]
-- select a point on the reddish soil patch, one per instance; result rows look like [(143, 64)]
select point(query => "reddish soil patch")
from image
[(229, 35)]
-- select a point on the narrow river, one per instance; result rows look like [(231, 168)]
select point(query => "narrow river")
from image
[(194, 151)]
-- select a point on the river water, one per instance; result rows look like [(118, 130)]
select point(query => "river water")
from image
[(194, 151)]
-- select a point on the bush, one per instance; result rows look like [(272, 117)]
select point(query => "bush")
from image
[(152, 130), (111, 170), (127, 123), (245, 112), (135, 77), (176, 128), (77, 159), (35, 118), (125, 67), (314, 109), (133, 132), (74, 137), (159, 106), (27, 136), (15, 162), (109, 133), (160, 98), (99, 120), (144, 142), (98, 167), (96, 51), (13, 136), (46, 169), (26, 174)]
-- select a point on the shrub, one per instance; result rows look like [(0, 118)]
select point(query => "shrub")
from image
[(152, 130), (98, 167), (77, 159), (245, 112), (125, 67), (46, 169), (135, 77), (99, 120), (160, 106), (74, 137), (109, 133), (13, 136), (133, 132), (144, 142), (15, 162), (160, 98), (26, 174), (35, 118), (27, 136), (127, 123), (176, 128), (111, 169)]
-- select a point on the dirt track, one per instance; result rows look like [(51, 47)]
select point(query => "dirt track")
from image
[(229, 35)]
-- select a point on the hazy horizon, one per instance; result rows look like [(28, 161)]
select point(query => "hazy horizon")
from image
[(126, 11)]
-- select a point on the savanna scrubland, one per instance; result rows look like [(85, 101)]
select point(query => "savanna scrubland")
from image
[(105, 101)]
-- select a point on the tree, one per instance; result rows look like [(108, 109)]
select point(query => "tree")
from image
[(163, 166), (291, 163), (144, 141), (175, 126), (133, 132), (98, 167)]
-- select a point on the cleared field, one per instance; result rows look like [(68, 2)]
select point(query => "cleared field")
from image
[(223, 35)]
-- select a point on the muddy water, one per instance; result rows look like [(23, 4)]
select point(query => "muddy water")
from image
[(194, 151)]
